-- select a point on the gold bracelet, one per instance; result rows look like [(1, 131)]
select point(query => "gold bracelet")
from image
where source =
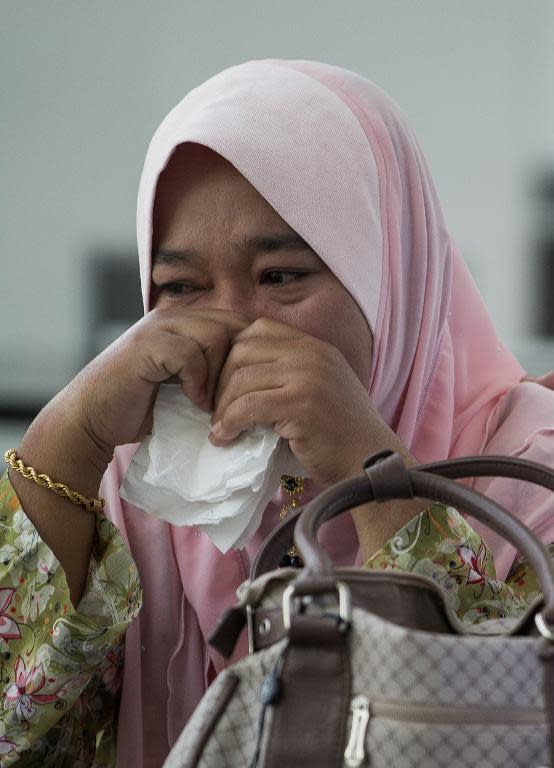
[(90, 504)]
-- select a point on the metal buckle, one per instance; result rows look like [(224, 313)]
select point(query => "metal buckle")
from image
[(345, 603), (250, 614), (543, 627)]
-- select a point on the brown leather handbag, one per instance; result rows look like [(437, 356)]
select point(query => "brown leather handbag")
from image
[(372, 668)]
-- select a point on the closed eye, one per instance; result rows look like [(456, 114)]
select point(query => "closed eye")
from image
[(176, 288), (281, 276), (272, 277)]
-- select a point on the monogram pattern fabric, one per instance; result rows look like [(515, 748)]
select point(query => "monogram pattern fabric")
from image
[(233, 737), (406, 745), (394, 665)]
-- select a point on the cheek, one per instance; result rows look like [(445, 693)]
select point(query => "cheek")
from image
[(334, 317), (350, 333), (356, 347)]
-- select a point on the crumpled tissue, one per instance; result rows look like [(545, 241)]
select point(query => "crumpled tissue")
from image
[(179, 476)]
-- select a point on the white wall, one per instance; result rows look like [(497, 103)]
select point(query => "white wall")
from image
[(85, 84)]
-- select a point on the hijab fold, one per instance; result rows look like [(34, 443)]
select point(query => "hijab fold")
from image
[(333, 155)]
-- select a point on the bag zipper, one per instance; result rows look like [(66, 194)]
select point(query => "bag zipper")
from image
[(354, 754), (363, 710)]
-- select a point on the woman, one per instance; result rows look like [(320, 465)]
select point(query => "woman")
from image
[(296, 273)]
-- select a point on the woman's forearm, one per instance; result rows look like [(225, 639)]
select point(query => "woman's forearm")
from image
[(54, 445), (377, 522)]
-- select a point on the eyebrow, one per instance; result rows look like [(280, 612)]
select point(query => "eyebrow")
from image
[(275, 242), (267, 243)]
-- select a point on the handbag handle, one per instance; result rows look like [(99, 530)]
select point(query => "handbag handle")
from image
[(386, 478), (281, 538)]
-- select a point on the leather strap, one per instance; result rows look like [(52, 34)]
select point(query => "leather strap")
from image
[(308, 726), (281, 539), (228, 629), (405, 599), (393, 480), (388, 477)]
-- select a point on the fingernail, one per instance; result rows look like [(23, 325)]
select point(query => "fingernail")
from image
[(217, 429)]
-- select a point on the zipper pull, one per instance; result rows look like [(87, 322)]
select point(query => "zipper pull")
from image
[(270, 692), (354, 754)]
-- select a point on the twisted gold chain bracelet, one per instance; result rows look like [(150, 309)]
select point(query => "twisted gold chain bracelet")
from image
[(90, 504)]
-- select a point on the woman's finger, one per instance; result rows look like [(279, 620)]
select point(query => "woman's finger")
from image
[(248, 353), (251, 378), (213, 336), (266, 408), (183, 357), (215, 352), (290, 354), (269, 329)]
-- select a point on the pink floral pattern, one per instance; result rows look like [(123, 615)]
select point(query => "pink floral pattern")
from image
[(7, 746), (475, 562), (23, 693), (9, 629)]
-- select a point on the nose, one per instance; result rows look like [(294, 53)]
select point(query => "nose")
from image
[(237, 295)]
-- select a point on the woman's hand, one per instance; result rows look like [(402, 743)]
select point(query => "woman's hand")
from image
[(278, 376), (111, 400), (305, 389), (110, 403)]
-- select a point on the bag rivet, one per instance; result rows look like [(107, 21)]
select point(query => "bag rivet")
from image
[(264, 627)]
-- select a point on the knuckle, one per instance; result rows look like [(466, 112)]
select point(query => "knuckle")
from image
[(262, 325), (237, 352), (331, 352), (141, 329), (157, 316), (249, 402), (238, 378), (190, 352)]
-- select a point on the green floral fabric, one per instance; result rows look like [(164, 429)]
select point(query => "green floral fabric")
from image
[(60, 667), (440, 544)]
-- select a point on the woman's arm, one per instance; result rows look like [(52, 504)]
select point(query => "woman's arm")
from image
[(56, 444), (110, 403)]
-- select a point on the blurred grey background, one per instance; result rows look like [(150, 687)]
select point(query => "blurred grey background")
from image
[(85, 84)]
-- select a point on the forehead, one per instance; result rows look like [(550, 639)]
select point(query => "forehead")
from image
[(200, 192)]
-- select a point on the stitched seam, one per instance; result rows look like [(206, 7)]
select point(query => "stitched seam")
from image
[(224, 698)]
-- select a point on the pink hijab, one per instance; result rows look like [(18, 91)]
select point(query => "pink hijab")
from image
[(334, 157)]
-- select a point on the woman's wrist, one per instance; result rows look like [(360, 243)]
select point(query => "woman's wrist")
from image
[(377, 522), (382, 438), (58, 444)]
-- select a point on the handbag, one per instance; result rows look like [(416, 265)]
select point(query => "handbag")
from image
[(372, 668)]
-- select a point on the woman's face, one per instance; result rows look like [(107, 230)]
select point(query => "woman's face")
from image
[(218, 244)]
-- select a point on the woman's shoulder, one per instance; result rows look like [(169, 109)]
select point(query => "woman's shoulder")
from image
[(531, 391), (524, 411)]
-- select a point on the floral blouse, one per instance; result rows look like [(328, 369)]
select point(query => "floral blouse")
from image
[(61, 667)]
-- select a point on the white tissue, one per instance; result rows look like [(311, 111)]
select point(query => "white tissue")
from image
[(179, 476)]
